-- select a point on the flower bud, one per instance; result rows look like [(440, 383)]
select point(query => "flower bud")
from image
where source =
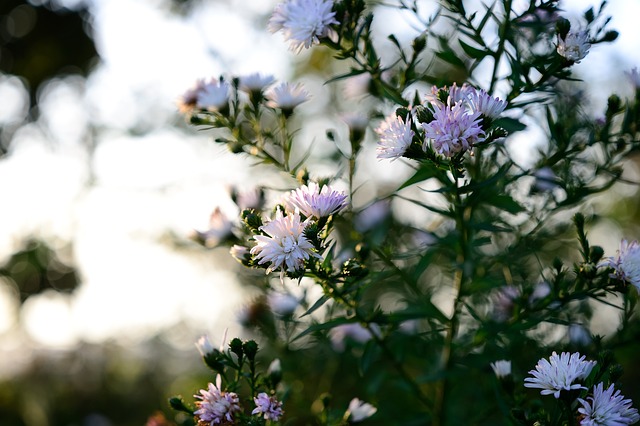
[(250, 348), (275, 372), (236, 347)]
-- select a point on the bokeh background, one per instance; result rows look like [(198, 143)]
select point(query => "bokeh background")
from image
[(103, 291)]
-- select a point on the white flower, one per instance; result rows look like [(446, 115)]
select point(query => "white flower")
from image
[(189, 99), (213, 95), (575, 46), (287, 96), (627, 265), (607, 408), (314, 202), (275, 367), (215, 406), (559, 373), (220, 228), (269, 406), (302, 22), (482, 102), (395, 137), (240, 253), (634, 77), (204, 345), (501, 368), (282, 304), (255, 82), (359, 410), (285, 245), (353, 331)]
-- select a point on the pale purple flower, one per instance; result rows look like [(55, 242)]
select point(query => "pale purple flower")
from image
[(482, 102), (395, 137), (204, 345), (455, 94), (315, 202), (268, 406), (285, 245), (287, 96), (359, 410), (240, 253), (220, 227), (248, 199), (606, 408), (216, 407), (255, 82), (504, 300), (627, 265), (303, 22), (634, 77), (575, 46), (214, 95), (559, 373), (353, 331), (453, 129), (189, 99), (501, 368)]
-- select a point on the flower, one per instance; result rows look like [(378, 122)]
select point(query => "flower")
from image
[(269, 406), (302, 22), (285, 244), (213, 95), (482, 102), (575, 46), (634, 77), (255, 82), (220, 228), (240, 253), (607, 408), (287, 96), (453, 130), (627, 265), (501, 368), (282, 304), (504, 300), (359, 410), (189, 99), (353, 331), (204, 345), (559, 373), (395, 137), (215, 406), (315, 202)]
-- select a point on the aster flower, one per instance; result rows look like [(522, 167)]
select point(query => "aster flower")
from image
[(454, 94), (285, 245), (559, 373), (607, 408), (216, 407), (189, 99), (634, 77), (482, 102), (240, 253), (453, 130), (220, 227), (303, 22), (282, 304), (501, 368), (268, 406), (353, 331), (314, 202), (287, 96), (627, 265), (255, 82), (204, 345), (213, 96), (575, 46), (395, 137), (359, 410), (504, 299)]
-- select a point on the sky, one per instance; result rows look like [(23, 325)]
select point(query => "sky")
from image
[(127, 197)]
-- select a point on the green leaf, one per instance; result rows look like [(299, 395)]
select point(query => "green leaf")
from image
[(422, 174), (473, 52), (506, 203), (325, 326), (370, 354), (509, 124), (451, 58), (321, 301)]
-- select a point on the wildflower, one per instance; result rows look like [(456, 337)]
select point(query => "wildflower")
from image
[(504, 300), (219, 229), (255, 82), (634, 77), (453, 130), (285, 245), (353, 331), (216, 407), (315, 202), (395, 137), (213, 96), (372, 216), (240, 253), (357, 124), (269, 406), (204, 345), (627, 265), (575, 46), (482, 102), (359, 410), (607, 408), (249, 199), (282, 304), (189, 99), (454, 95), (287, 96), (303, 22), (501, 368), (559, 373)]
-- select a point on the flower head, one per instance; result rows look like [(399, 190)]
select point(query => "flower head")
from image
[(189, 99), (216, 407), (559, 373), (453, 129), (482, 102), (255, 82), (627, 265), (220, 228), (359, 410), (315, 202), (575, 46), (213, 95), (285, 245), (302, 22), (352, 331), (395, 137), (287, 96), (268, 406), (606, 408), (204, 345), (501, 368)]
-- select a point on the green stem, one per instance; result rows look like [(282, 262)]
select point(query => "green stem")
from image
[(500, 51)]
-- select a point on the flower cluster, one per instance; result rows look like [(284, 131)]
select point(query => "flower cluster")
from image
[(215, 406), (268, 406)]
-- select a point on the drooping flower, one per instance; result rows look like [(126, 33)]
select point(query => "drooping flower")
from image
[(575, 46), (359, 410), (395, 137), (453, 129), (482, 102), (559, 373), (216, 407), (315, 202), (501, 368), (606, 408), (214, 95), (627, 265), (287, 96), (285, 246), (303, 22), (268, 406)]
